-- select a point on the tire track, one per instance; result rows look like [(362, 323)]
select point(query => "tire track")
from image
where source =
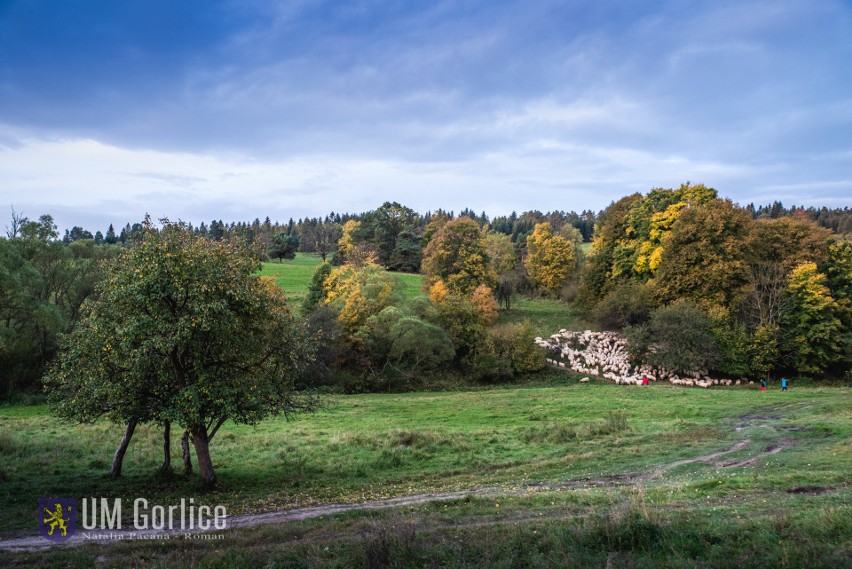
[(24, 544)]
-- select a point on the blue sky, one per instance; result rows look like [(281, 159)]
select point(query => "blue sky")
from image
[(198, 110)]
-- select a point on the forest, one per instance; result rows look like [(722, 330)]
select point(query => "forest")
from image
[(693, 281)]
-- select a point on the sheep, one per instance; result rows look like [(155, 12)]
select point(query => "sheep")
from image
[(604, 354)]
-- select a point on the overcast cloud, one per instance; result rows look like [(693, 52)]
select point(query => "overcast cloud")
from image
[(243, 109)]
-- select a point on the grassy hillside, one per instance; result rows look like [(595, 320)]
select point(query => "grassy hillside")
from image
[(410, 284), (565, 461), (294, 276), (547, 316)]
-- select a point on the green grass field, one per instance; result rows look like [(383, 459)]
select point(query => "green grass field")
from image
[(410, 284), (294, 277), (547, 316), (365, 447)]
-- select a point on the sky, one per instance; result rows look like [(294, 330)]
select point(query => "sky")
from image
[(199, 110)]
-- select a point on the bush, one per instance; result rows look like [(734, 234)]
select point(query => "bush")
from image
[(316, 290), (398, 344), (628, 304), (678, 337), (508, 351), (458, 316), (419, 346), (324, 330), (423, 309)]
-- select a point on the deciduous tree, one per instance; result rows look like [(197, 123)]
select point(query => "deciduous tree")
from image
[(457, 255), (502, 253), (183, 331), (357, 293), (550, 259), (484, 301), (703, 258), (811, 324), (598, 275), (678, 337), (43, 283), (322, 237), (390, 231)]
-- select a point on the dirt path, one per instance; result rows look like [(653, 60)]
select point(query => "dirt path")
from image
[(249, 520)]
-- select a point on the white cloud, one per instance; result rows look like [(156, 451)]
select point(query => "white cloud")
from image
[(298, 108), (87, 180)]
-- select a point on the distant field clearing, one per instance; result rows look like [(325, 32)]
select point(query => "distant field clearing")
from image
[(294, 277)]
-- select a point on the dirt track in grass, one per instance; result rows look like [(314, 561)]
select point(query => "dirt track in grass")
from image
[(250, 520)]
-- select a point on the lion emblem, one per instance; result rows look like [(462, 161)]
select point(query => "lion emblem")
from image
[(54, 519), (57, 518)]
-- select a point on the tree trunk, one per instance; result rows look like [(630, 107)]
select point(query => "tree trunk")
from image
[(167, 447), (122, 448), (187, 458), (202, 453)]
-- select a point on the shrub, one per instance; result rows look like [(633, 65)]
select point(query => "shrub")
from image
[(628, 304), (316, 291), (678, 337), (324, 330), (458, 316), (401, 344), (508, 351), (423, 309)]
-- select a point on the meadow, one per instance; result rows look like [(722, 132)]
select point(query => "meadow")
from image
[(549, 473), (546, 315), (294, 277), (573, 472)]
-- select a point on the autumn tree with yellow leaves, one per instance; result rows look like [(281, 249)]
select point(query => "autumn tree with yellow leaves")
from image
[(550, 259), (814, 331), (358, 293), (352, 252), (457, 255)]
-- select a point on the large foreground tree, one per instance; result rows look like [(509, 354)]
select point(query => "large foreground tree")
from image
[(184, 332)]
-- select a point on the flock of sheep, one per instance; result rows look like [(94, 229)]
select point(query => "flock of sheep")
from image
[(604, 354)]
